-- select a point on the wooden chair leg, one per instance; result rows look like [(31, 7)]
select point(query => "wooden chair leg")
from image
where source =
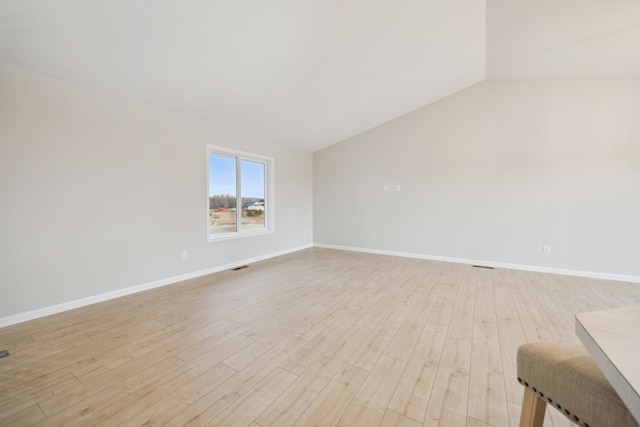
[(533, 409)]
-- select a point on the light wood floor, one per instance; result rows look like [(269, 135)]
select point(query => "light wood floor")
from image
[(318, 337)]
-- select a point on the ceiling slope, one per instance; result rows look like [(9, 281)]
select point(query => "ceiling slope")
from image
[(308, 73), (563, 39)]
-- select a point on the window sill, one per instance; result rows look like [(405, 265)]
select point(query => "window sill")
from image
[(237, 235)]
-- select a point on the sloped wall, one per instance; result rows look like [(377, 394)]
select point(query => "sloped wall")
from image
[(495, 172)]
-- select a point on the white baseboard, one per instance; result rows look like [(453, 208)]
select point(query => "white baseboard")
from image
[(578, 273), (58, 308), (70, 305)]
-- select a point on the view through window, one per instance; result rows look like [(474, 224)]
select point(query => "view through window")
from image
[(238, 192)]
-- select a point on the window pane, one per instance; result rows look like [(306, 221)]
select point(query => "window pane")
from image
[(222, 194), (239, 202), (252, 190)]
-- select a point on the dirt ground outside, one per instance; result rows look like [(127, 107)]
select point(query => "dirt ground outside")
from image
[(225, 221)]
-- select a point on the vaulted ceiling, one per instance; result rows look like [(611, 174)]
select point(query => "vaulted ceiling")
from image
[(563, 39), (311, 73)]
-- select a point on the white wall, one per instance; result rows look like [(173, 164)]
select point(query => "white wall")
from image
[(99, 194), (494, 173)]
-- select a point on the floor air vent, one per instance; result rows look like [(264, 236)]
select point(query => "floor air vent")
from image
[(483, 266), (239, 268)]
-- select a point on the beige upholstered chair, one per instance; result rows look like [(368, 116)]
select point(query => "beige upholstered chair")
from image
[(568, 379)]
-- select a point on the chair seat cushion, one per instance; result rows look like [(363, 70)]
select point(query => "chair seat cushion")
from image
[(567, 378)]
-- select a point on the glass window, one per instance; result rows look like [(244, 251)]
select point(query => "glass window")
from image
[(239, 194)]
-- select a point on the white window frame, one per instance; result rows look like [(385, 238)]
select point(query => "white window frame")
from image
[(268, 196)]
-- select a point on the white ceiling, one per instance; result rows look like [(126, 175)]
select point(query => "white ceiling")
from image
[(311, 73), (563, 39)]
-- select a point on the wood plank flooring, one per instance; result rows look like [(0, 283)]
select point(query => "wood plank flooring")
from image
[(316, 338)]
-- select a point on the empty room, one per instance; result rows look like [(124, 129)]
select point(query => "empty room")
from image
[(320, 213)]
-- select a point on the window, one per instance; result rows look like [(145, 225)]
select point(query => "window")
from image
[(239, 194)]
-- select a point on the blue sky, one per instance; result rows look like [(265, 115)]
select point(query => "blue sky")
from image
[(222, 177)]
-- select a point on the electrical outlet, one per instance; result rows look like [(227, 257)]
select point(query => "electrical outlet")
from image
[(184, 254), (397, 188), (546, 250), (385, 188)]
